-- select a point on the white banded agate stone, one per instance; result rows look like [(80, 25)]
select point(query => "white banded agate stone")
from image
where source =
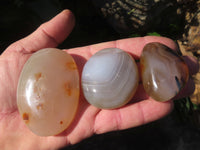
[(110, 78), (48, 92), (164, 73)]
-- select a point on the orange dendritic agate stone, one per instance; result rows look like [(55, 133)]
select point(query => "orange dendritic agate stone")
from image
[(48, 92)]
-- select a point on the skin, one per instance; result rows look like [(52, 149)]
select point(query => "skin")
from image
[(89, 120)]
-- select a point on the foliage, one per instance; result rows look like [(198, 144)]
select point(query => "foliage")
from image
[(187, 111)]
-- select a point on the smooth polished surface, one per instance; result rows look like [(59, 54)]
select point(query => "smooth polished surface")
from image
[(110, 78), (164, 73), (48, 92)]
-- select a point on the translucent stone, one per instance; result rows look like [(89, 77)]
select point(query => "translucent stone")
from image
[(164, 73), (48, 92), (110, 78)]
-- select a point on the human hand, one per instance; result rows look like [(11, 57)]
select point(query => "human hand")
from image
[(89, 120)]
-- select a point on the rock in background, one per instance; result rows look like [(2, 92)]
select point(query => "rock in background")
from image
[(143, 16), (190, 45)]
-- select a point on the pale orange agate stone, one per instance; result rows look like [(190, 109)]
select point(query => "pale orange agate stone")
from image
[(48, 92)]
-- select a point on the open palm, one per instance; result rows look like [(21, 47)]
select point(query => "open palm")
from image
[(89, 119)]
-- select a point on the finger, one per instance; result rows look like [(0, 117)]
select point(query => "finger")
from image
[(187, 90), (131, 116), (133, 46), (192, 64), (49, 34)]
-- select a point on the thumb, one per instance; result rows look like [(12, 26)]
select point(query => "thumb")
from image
[(49, 34)]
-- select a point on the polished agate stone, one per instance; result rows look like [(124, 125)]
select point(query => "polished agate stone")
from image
[(48, 92), (164, 73), (109, 78)]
